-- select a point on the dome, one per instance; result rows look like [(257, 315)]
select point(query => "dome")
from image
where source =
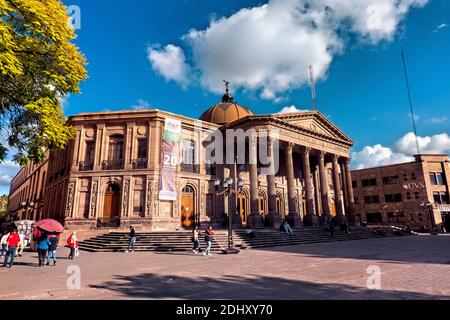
[(225, 112)]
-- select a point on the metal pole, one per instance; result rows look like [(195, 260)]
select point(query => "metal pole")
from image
[(230, 222)]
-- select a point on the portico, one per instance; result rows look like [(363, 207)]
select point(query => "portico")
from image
[(310, 166)]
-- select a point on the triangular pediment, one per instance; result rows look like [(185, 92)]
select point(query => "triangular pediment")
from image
[(315, 122)]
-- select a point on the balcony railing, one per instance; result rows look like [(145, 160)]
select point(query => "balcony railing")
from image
[(113, 165), (140, 163), (86, 166)]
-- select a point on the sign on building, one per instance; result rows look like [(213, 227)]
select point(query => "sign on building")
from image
[(169, 166)]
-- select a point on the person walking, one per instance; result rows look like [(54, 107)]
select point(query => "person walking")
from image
[(4, 243), (72, 242), (195, 240), (43, 244), (332, 228), (21, 244), (11, 243), (132, 240), (209, 233), (52, 249)]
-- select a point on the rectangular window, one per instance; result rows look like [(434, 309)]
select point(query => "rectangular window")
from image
[(398, 197), (433, 179), (366, 183), (188, 152), (90, 152), (189, 158), (372, 199), (355, 184), (437, 198), (142, 149), (440, 179), (389, 198), (391, 180), (444, 198)]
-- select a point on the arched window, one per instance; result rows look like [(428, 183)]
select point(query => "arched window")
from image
[(262, 203), (188, 189)]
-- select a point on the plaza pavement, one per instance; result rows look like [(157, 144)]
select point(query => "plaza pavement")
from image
[(411, 268)]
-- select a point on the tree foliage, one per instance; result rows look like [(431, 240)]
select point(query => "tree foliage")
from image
[(39, 67)]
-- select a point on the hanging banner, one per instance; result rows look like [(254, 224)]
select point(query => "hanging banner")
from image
[(170, 152)]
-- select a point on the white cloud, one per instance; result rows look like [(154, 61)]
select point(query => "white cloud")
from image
[(436, 144), (141, 105), (441, 27), (291, 109), (8, 170), (170, 63), (377, 155), (437, 120), (268, 49), (402, 151), (416, 117)]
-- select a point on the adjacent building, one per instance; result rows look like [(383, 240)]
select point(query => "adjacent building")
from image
[(153, 169), (413, 194), (26, 194)]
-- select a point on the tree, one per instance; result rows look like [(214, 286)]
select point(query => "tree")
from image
[(39, 67), (3, 205)]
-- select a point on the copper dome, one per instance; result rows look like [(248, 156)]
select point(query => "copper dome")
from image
[(225, 112)]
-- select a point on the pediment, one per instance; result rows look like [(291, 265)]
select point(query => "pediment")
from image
[(315, 122)]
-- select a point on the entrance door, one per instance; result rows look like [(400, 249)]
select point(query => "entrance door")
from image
[(188, 208), (243, 206), (111, 206)]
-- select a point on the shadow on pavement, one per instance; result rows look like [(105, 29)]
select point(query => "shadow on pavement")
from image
[(428, 250), (151, 286)]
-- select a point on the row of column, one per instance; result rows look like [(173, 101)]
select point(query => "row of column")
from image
[(310, 217)]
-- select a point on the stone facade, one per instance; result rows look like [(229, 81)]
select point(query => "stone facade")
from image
[(398, 194), (26, 195), (109, 175)]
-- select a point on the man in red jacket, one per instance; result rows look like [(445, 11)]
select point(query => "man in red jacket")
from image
[(12, 243)]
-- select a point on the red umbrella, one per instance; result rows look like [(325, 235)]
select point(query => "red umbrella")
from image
[(50, 225)]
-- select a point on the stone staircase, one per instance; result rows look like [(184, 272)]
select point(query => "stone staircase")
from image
[(306, 235), (181, 241)]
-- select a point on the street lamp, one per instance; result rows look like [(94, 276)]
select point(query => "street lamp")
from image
[(430, 207), (27, 206), (227, 185)]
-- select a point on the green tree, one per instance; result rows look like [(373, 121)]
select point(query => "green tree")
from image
[(39, 67), (3, 205)]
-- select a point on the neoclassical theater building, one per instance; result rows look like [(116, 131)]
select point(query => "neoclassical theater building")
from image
[(122, 169)]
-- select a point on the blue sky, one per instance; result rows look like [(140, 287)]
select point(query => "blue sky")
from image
[(361, 88)]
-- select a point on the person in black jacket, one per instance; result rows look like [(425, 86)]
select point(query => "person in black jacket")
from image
[(52, 249), (132, 240)]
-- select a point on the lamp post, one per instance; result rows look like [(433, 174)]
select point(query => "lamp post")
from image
[(227, 185), (27, 206), (430, 206)]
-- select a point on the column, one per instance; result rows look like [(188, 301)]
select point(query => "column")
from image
[(274, 216), (310, 218), (324, 196), (351, 217), (100, 146), (293, 216), (337, 191), (77, 156), (344, 185), (255, 220)]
